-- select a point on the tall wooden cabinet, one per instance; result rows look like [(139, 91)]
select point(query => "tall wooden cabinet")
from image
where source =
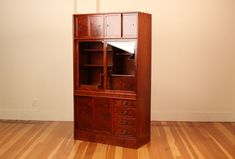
[(112, 78)]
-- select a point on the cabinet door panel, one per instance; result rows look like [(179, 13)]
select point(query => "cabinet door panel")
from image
[(113, 25), (81, 26), (84, 112), (102, 115), (96, 26), (130, 25)]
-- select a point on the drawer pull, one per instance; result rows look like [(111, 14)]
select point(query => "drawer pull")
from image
[(124, 122), (124, 113), (124, 132), (125, 103)]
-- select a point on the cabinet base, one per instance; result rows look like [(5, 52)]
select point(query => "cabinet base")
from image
[(110, 139)]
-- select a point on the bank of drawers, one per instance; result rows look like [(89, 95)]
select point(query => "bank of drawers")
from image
[(124, 117)]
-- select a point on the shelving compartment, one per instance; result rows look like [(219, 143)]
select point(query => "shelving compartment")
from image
[(90, 65), (121, 76)]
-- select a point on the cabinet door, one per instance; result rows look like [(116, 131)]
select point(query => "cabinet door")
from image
[(81, 26), (83, 114), (113, 25), (102, 115), (96, 26), (130, 22)]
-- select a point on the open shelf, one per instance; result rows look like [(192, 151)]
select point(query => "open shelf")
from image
[(94, 65), (95, 50), (120, 75), (90, 86)]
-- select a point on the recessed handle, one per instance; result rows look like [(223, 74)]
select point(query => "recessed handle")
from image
[(124, 112), (124, 132), (125, 103), (124, 122)]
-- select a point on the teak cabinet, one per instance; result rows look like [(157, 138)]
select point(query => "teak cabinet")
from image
[(112, 78)]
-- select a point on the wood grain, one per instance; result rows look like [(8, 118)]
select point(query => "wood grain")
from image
[(169, 140)]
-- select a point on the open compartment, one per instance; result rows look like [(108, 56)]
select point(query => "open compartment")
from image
[(90, 64), (121, 76)]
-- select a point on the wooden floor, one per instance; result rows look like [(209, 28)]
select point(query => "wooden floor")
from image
[(178, 140)]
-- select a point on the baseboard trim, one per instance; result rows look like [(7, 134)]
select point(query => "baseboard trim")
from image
[(32, 114), (193, 116)]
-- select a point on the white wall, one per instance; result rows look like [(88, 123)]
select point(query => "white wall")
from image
[(193, 54), (36, 59), (193, 57), (86, 6)]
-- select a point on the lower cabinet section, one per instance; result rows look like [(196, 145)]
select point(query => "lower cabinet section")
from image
[(106, 120)]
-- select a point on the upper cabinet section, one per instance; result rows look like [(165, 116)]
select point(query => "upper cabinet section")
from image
[(99, 26), (129, 25), (81, 26), (96, 26), (112, 25)]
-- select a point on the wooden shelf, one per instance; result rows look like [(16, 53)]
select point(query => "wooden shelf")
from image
[(94, 65), (121, 75), (95, 50), (123, 54), (90, 86)]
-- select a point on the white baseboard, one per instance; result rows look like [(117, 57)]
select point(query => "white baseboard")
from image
[(35, 115), (193, 116)]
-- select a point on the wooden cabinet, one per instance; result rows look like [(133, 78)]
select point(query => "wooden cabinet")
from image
[(112, 78)]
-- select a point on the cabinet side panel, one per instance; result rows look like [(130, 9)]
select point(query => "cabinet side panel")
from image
[(144, 76)]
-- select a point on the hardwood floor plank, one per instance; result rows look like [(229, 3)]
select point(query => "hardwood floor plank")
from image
[(100, 151), (90, 150), (128, 153), (110, 152), (180, 143), (118, 152), (169, 140)]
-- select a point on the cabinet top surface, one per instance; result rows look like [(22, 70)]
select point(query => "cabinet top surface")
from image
[(111, 13)]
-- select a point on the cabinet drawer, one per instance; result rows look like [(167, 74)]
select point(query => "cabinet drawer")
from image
[(124, 103), (130, 22), (125, 131), (124, 112), (124, 122)]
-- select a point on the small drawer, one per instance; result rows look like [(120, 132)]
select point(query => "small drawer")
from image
[(125, 112), (124, 103), (125, 131), (124, 122)]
